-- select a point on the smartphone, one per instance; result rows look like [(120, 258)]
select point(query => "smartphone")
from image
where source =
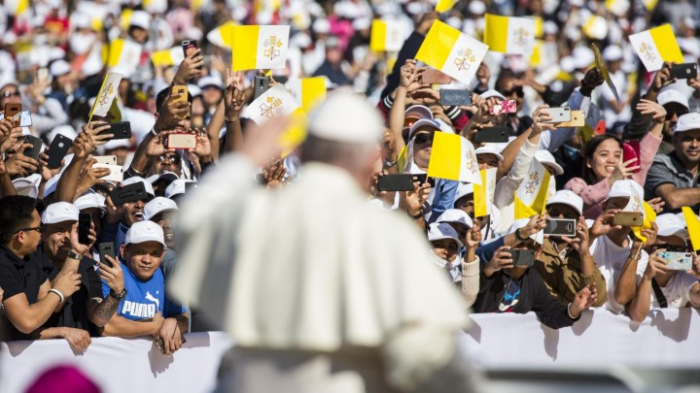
[(678, 260), (628, 219), (400, 182), (120, 130), (106, 249), (578, 119), (260, 86), (35, 150), (561, 227), (558, 115), (630, 150), (684, 71), (42, 74), (129, 193), (507, 106), (181, 141), (182, 91), (524, 258), (454, 97), (25, 119), (432, 76), (84, 224), (188, 46), (116, 172), (492, 135), (58, 149), (12, 109), (160, 344), (105, 160)]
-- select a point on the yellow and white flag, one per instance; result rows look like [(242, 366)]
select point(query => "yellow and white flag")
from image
[(168, 57), (693, 224), (531, 195), (484, 193), (222, 36), (259, 47), (444, 5), (453, 158), (650, 4), (448, 50), (105, 98), (16, 7), (510, 35), (656, 46), (124, 56), (308, 91), (638, 205), (387, 36), (600, 65)]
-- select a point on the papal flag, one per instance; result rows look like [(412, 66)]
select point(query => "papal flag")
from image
[(453, 158), (387, 36), (124, 56), (531, 195), (308, 91), (105, 98), (222, 36), (448, 50), (484, 193), (259, 47), (510, 35), (444, 5), (16, 7), (277, 101), (638, 205), (693, 224), (656, 46), (600, 65), (168, 57)]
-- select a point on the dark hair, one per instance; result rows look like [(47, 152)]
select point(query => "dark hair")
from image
[(15, 213), (589, 150)]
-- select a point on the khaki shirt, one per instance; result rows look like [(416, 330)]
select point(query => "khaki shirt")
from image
[(562, 274)]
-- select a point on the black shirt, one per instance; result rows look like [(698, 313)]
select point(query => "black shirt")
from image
[(17, 276), (74, 313)]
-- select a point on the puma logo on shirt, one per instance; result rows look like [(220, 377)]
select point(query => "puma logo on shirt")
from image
[(141, 310)]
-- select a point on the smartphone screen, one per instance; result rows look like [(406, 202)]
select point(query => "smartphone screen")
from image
[(630, 151), (84, 224), (106, 249)]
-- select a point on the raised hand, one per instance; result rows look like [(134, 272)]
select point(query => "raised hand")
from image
[(89, 175), (273, 175), (657, 204), (624, 170), (473, 237), (113, 276), (646, 107), (650, 234), (93, 128), (413, 201), (662, 78), (83, 146), (583, 300), (591, 80), (172, 114), (408, 73), (603, 223), (190, 67), (12, 139), (656, 265), (502, 259), (234, 95), (540, 119), (203, 149), (581, 242), (537, 223), (21, 165), (156, 146), (67, 283)]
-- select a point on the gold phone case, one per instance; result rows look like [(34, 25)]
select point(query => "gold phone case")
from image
[(577, 120)]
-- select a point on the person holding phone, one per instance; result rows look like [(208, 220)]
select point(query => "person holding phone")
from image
[(565, 263), (507, 286)]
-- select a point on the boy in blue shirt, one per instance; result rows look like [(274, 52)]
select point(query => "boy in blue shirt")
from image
[(145, 309)]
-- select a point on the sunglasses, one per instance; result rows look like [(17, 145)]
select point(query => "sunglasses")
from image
[(173, 159), (38, 229), (423, 138), (677, 112), (518, 91), (10, 94)]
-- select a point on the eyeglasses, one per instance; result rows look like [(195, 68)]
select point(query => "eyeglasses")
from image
[(423, 138), (173, 159), (38, 229), (10, 94), (518, 91)]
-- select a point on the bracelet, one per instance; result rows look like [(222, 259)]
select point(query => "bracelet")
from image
[(74, 255), (517, 235), (57, 292), (390, 164), (568, 312)]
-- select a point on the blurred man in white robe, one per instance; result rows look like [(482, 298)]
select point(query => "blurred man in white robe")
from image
[(320, 291)]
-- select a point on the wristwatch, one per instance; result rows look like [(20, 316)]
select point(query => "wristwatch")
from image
[(74, 255), (117, 296)]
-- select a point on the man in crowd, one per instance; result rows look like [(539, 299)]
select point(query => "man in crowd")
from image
[(120, 218)]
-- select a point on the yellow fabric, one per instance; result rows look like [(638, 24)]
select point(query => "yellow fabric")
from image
[(444, 5), (480, 197), (98, 95), (295, 134), (402, 158), (539, 27), (446, 156), (496, 33), (161, 58), (650, 4), (693, 225), (313, 90), (649, 217), (540, 203), (535, 58), (115, 52), (125, 19), (521, 210), (666, 43), (244, 47), (377, 41), (438, 44)]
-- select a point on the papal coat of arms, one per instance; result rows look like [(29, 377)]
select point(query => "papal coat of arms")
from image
[(272, 47)]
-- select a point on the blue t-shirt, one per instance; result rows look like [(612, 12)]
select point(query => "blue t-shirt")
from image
[(144, 298)]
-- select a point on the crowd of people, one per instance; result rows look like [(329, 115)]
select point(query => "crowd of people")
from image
[(56, 283)]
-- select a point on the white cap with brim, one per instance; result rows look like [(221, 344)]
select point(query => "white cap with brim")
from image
[(116, 144), (569, 198), (157, 206), (345, 117), (669, 95), (136, 179), (144, 231), (583, 57), (443, 231), (166, 176), (489, 149), (672, 225), (59, 212), (176, 187), (456, 215), (625, 188), (546, 158), (140, 19), (59, 67), (444, 127), (51, 184), (321, 26), (463, 190), (612, 53), (28, 186), (210, 81), (493, 93), (65, 130), (477, 7), (91, 200), (421, 111), (422, 123), (687, 122)]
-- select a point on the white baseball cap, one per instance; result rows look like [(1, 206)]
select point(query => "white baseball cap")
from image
[(669, 95), (116, 144), (463, 189), (672, 225), (59, 67), (51, 184), (456, 215), (422, 111), (477, 7), (423, 123), (65, 130), (321, 26), (566, 197), (157, 206), (493, 93), (545, 157), (28, 186), (136, 179), (612, 53), (91, 200), (59, 212), (489, 149), (210, 81), (144, 231), (140, 19), (176, 187), (626, 188), (687, 122), (347, 118), (439, 231), (583, 57)]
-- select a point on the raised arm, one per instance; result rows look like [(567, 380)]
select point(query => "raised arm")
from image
[(626, 285), (234, 99)]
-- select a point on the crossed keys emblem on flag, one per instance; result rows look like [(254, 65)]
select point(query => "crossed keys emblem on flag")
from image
[(647, 51), (105, 95), (521, 36), (465, 59), (470, 163), (636, 205), (271, 107), (492, 186), (532, 184), (272, 45)]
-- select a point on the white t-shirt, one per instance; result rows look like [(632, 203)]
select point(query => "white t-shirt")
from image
[(610, 259), (676, 291)]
